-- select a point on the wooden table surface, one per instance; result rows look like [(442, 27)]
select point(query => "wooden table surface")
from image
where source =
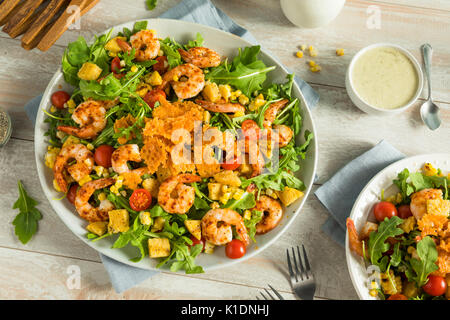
[(42, 268)]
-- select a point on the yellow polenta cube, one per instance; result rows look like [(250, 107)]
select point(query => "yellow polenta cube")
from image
[(194, 228), (113, 46), (50, 156), (228, 177), (154, 79), (89, 71), (158, 225), (289, 195), (225, 91), (152, 186), (211, 92), (158, 247), (119, 221), (145, 218), (214, 190), (99, 228)]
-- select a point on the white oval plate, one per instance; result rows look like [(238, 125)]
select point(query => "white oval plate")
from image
[(227, 45), (366, 200)]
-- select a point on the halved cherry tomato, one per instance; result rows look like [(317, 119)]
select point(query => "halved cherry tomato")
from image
[(140, 199), (153, 96), (235, 249), (102, 155), (230, 164), (115, 68), (404, 211), (398, 296), (59, 98), (383, 210), (195, 242), (72, 193), (250, 129), (436, 286), (162, 65)]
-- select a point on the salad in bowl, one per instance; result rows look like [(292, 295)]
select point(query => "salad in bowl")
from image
[(172, 149), (405, 242)]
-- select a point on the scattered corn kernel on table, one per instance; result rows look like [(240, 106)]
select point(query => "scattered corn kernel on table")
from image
[(39, 269)]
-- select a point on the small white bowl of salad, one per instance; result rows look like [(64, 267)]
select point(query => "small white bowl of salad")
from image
[(398, 233)]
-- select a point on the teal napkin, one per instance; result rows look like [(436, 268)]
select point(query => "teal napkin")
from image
[(340, 192), (204, 12)]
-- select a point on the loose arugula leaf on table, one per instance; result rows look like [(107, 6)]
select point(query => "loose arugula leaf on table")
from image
[(247, 72), (26, 222), (151, 4), (426, 264), (377, 241)]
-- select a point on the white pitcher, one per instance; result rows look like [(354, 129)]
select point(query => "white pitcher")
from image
[(311, 13)]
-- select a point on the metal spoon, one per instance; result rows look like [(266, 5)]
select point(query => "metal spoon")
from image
[(429, 112)]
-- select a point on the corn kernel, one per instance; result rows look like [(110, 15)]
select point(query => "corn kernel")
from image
[(112, 54), (175, 78), (243, 100), (238, 194), (340, 52), (160, 53), (214, 205), (134, 69), (312, 51), (52, 109), (239, 114), (153, 31), (102, 196), (429, 170), (84, 180), (235, 94), (316, 68), (50, 156), (374, 285), (56, 186), (311, 63), (303, 47), (373, 293), (206, 117), (299, 54), (70, 104), (145, 218), (61, 135), (90, 146), (247, 214)]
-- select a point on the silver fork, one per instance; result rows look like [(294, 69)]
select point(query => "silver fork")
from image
[(268, 293), (302, 279)]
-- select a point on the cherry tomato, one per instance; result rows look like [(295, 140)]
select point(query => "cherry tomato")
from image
[(102, 155), (250, 129), (230, 164), (115, 68), (436, 286), (195, 242), (71, 194), (383, 210), (398, 296), (162, 65), (153, 96), (404, 211), (140, 199), (59, 98), (235, 249)]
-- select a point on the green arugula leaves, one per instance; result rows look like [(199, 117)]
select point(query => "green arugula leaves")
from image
[(247, 73), (410, 182), (26, 222), (426, 264)]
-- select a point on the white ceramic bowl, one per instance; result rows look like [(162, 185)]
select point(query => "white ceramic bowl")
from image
[(369, 196), (227, 45), (364, 106)]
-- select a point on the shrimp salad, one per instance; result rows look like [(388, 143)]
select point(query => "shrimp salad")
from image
[(407, 238), (171, 148)]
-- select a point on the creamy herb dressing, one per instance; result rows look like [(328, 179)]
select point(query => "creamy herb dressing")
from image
[(385, 78)]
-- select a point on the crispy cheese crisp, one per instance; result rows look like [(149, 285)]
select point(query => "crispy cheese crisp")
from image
[(154, 152), (443, 263), (431, 224), (438, 206), (131, 180)]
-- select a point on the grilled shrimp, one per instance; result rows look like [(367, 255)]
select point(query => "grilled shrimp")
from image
[(123, 154), (272, 214), (419, 199), (85, 209), (146, 45), (216, 226), (201, 57), (83, 166), (356, 245), (90, 115), (221, 107), (271, 112), (184, 89), (176, 197), (285, 135)]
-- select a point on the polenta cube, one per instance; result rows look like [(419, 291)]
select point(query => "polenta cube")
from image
[(113, 46), (211, 92), (228, 177), (153, 79), (99, 228), (152, 186), (214, 190), (289, 195), (194, 228), (158, 247), (119, 221), (89, 71), (158, 225)]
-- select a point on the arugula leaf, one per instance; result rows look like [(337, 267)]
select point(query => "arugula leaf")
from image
[(139, 25), (26, 222), (198, 42), (170, 48), (377, 241), (151, 4), (252, 222), (247, 201), (396, 257), (247, 73), (426, 264), (277, 91), (408, 183)]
